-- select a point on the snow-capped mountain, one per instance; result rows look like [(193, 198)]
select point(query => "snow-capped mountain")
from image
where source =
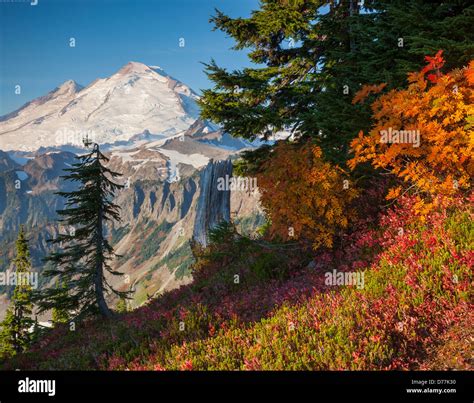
[(137, 99), (147, 124)]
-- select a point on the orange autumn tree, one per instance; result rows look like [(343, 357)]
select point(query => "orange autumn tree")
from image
[(304, 197), (423, 134)]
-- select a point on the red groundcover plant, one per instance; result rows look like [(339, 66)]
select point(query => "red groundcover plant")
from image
[(416, 288)]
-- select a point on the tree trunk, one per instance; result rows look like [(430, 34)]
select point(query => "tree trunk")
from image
[(352, 11), (99, 269)]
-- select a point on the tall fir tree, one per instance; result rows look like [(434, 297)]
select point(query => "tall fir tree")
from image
[(82, 259), (15, 333), (312, 56)]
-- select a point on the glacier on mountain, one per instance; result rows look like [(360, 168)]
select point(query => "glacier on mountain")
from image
[(135, 99)]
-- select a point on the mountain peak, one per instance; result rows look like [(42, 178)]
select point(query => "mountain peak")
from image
[(135, 67), (135, 98), (68, 83), (69, 86)]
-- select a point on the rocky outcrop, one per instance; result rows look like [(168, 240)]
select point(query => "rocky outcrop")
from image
[(6, 163), (158, 217), (214, 203)]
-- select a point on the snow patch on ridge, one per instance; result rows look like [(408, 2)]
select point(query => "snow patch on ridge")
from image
[(21, 175), (196, 160)]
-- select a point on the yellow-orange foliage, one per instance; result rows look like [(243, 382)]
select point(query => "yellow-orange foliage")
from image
[(441, 108), (304, 197)]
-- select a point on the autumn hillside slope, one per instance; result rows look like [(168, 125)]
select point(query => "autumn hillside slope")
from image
[(404, 231), (285, 317)]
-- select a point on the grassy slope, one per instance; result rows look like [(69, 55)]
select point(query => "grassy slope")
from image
[(414, 307)]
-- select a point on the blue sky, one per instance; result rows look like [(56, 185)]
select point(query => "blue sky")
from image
[(35, 51)]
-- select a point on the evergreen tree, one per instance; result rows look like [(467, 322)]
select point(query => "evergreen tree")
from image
[(121, 306), (37, 331), (312, 56), (15, 333), (60, 314), (84, 253)]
